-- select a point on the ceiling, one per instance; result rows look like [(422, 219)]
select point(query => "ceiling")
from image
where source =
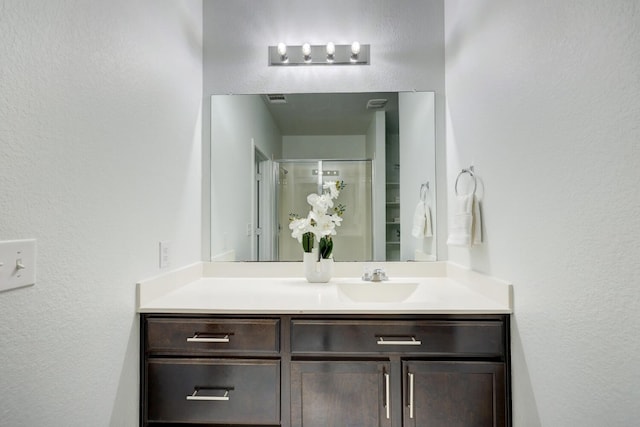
[(331, 113)]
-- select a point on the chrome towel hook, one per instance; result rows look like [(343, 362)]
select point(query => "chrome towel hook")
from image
[(470, 172), (424, 189)]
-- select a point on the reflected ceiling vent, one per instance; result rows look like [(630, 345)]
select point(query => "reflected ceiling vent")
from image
[(276, 98), (375, 104)]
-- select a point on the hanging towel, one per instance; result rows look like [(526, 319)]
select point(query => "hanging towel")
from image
[(428, 232), (421, 221), (465, 228), (477, 222)]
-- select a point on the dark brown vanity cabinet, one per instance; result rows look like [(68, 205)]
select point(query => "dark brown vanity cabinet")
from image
[(424, 371), (210, 371), (326, 371)]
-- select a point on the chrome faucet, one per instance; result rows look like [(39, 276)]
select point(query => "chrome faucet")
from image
[(378, 275)]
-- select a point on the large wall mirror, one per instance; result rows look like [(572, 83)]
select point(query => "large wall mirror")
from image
[(269, 151)]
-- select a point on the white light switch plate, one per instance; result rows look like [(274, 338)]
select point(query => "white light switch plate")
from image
[(17, 264)]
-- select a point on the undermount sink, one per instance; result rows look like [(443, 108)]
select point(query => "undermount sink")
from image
[(388, 291)]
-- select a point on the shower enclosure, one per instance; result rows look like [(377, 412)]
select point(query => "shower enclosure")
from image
[(296, 179)]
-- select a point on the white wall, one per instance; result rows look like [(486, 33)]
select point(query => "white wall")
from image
[(100, 159), (333, 147), (544, 100), (406, 52), (376, 139), (417, 148), (236, 122)]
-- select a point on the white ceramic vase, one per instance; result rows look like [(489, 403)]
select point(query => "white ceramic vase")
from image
[(317, 271)]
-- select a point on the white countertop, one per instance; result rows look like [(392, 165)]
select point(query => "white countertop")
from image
[(252, 288)]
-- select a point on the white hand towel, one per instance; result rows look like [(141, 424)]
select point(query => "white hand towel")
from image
[(428, 231), (421, 221), (477, 223), (418, 221), (465, 228)]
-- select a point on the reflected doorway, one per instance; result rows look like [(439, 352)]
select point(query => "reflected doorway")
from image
[(262, 244)]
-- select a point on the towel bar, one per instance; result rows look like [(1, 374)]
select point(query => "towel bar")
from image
[(470, 172)]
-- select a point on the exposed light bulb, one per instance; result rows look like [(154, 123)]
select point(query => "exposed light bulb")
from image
[(306, 51), (355, 51), (355, 48), (282, 49), (331, 48)]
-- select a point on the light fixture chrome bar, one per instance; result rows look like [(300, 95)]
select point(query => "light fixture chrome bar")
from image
[(342, 55)]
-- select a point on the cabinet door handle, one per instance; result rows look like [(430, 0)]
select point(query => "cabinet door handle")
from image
[(410, 394), (195, 396), (197, 338), (387, 404), (398, 341)]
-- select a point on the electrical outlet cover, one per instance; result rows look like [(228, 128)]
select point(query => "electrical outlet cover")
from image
[(165, 254)]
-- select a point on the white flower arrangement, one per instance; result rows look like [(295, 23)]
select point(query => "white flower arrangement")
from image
[(321, 222)]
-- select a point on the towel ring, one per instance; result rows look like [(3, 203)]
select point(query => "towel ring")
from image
[(424, 189), (470, 172)]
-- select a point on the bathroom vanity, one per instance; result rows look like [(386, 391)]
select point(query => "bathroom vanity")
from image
[(333, 360)]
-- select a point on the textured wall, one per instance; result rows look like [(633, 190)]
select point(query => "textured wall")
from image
[(406, 41), (544, 99), (100, 158)]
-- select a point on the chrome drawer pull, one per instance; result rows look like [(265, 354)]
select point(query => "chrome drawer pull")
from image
[(410, 395), (412, 341), (195, 396), (197, 338)]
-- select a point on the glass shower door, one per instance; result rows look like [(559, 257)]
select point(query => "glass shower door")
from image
[(297, 179)]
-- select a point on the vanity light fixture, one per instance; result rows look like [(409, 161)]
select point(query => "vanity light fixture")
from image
[(328, 54), (325, 172)]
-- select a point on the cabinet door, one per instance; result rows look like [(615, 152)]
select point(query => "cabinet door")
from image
[(454, 394), (340, 394)]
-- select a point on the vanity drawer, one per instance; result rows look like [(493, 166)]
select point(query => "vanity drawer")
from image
[(212, 336), (428, 337), (213, 391)]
